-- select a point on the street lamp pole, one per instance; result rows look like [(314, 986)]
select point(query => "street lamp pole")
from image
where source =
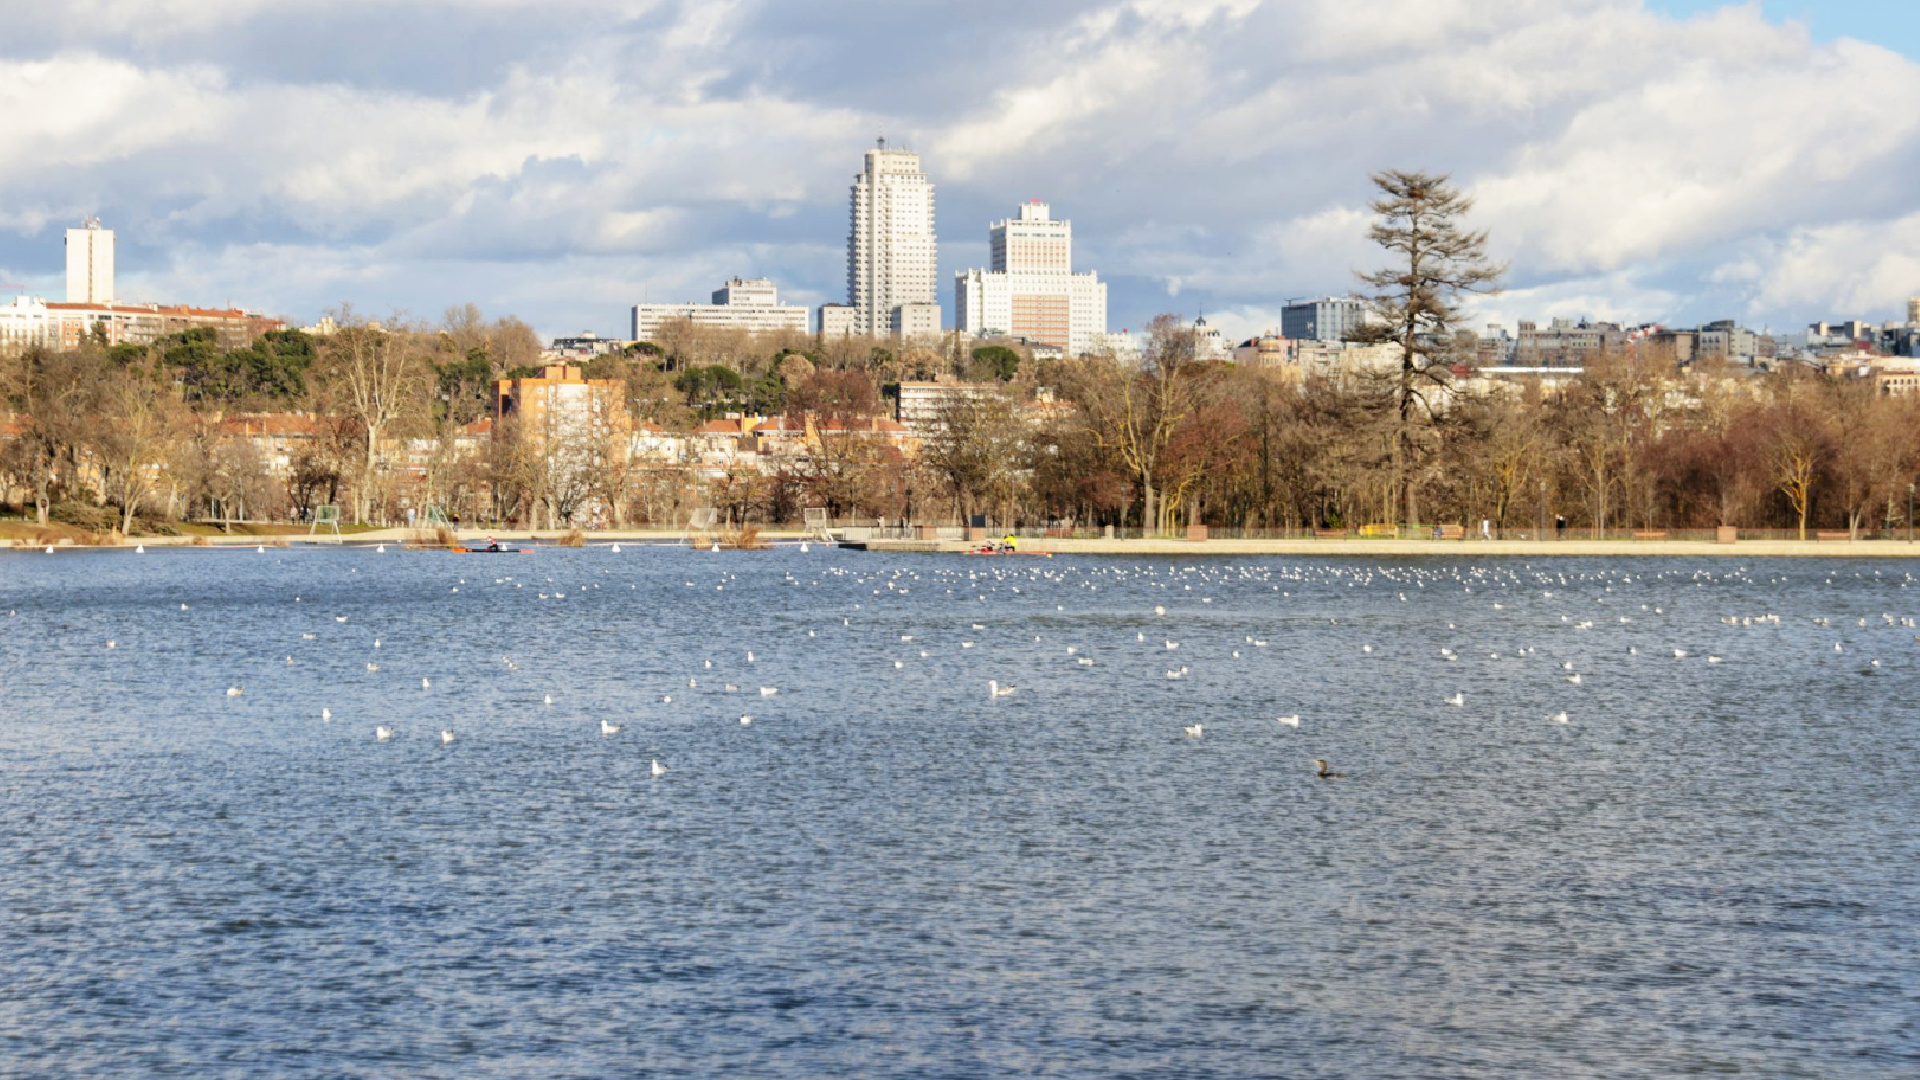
[(1541, 534), (1909, 513)]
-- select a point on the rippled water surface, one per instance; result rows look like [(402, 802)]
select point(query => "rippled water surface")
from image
[(1709, 868)]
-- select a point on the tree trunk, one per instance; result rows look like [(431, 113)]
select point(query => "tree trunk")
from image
[(41, 500)]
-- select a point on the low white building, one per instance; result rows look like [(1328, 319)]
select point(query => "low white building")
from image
[(916, 320), (1345, 357), (921, 404), (583, 344), (1267, 350), (26, 322), (32, 320), (741, 304), (837, 320), (1209, 343), (1121, 344)]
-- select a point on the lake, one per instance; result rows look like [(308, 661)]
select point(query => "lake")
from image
[(1710, 867)]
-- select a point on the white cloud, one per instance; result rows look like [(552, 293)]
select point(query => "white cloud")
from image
[(1628, 164), (1839, 271)]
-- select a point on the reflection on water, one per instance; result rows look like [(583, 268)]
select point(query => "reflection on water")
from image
[(1708, 868)]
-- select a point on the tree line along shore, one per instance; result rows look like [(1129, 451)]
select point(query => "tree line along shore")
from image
[(398, 421)]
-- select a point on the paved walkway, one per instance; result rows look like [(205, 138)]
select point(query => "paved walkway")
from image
[(1353, 547), (1447, 549), (400, 536)]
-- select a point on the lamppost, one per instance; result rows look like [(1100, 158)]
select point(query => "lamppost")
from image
[(1909, 513), (1541, 533)]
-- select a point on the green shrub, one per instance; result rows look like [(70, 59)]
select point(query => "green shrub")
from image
[(85, 516)]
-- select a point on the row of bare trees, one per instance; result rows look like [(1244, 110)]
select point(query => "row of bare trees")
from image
[(124, 426), (1180, 440), (1153, 446), (1624, 446)]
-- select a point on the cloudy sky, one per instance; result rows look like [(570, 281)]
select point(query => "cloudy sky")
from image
[(1665, 160)]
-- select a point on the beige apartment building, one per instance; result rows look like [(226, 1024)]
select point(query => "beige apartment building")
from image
[(1030, 291)]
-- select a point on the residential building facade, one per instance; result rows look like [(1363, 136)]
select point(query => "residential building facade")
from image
[(584, 344), (30, 320), (90, 264), (751, 304), (1267, 350), (1566, 343), (915, 320), (1322, 318), (891, 246), (921, 405), (836, 320), (1030, 290)]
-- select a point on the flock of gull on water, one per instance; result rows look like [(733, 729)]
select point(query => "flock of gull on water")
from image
[(1194, 585)]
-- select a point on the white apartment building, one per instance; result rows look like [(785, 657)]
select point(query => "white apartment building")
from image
[(32, 320), (915, 320), (1031, 290), (921, 405), (836, 320), (741, 304), (891, 249), (90, 264), (26, 322)]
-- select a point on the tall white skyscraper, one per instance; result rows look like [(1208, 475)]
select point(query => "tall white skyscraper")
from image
[(90, 264), (891, 251), (1031, 290)]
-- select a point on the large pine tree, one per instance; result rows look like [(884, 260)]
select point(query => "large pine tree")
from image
[(1415, 301)]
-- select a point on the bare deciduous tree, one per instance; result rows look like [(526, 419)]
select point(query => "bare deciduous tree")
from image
[(378, 376)]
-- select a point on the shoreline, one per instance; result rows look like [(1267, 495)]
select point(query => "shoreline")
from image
[(1379, 548), (1157, 548), (398, 535)]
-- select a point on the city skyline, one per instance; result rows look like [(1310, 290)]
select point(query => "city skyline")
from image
[(1631, 164)]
